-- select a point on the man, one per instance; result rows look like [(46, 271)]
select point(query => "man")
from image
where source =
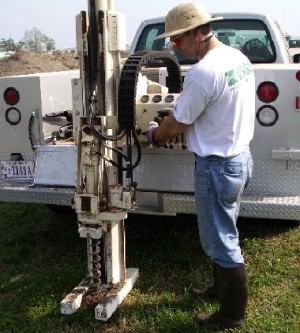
[(216, 110)]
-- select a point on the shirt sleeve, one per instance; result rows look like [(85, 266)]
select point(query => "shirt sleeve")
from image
[(191, 102)]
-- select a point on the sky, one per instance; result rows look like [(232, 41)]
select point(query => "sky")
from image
[(56, 18)]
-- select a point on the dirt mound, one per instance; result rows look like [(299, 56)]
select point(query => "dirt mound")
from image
[(30, 63)]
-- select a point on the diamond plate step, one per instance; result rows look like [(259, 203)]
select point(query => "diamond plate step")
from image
[(259, 206), (26, 192)]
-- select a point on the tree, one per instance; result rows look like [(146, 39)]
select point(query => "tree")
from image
[(20, 45), (7, 45), (50, 45), (34, 40)]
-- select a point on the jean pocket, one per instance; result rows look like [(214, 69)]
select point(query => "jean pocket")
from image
[(232, 183)]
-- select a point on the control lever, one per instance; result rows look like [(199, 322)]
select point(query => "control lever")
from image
[(68, 114), (161, 114)]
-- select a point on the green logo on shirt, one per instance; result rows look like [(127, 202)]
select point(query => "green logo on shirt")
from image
[(236, 75)]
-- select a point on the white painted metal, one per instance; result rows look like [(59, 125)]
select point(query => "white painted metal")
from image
[(117, 31), (99, 219), (115, 251), (15, 138), (104, 5), (39, 94), (108, 306), (72, 302)]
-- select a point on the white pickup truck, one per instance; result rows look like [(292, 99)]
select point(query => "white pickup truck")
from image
[(38, 155), (166, 175), (258, 36)]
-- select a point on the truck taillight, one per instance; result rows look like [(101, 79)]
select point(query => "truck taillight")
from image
[(267, 115), (11, 96), (13, 116), (267, 92), (298, 75)]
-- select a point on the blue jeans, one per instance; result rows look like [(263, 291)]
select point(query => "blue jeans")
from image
[(219, 184)]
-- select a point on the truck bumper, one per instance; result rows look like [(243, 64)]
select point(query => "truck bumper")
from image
[(254, 206), (27, 192), (281, 207)]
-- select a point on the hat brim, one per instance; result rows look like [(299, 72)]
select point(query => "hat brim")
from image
[(181, 31)]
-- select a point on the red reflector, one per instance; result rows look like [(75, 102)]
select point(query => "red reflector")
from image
[(11, 96), (298, 75), (267, 92)]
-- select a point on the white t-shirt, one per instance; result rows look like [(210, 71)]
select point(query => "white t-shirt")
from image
[(218, 101)]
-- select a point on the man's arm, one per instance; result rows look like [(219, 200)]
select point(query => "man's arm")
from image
[(168, 129)]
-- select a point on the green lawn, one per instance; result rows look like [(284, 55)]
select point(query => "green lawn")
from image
[(42, 259)]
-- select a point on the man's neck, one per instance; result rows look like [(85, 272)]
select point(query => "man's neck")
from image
[(211, 44)]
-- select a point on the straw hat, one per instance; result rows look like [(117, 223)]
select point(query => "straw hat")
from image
[(185, 17)]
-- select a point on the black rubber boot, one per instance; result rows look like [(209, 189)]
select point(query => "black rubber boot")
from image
[(210, 292), (233, 293)]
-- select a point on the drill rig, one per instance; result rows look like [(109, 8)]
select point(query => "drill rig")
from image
[(104, 125)]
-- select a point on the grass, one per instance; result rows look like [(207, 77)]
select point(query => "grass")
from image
[(42, 259)]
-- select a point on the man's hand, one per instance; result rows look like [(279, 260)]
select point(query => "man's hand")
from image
[(154, 124), (163, 128), (149, 133)]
